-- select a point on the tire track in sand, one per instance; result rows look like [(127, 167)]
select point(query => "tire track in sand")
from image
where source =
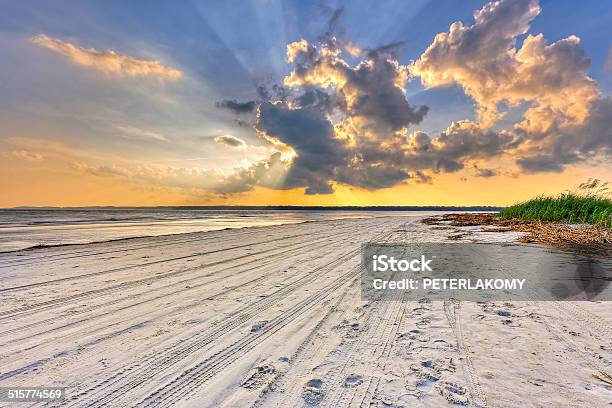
[(110, 289), (452, 309), (123, 381)]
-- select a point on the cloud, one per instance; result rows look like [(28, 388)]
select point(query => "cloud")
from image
[(343, 122), (100, 171), (566, 119), (237, 107), (484, 172), (107, 61), (267, 173), (26, 155), (483, 59), (371, 93), (310, 136), (134, 132), (339, 122), (551, 151), (231, 141)]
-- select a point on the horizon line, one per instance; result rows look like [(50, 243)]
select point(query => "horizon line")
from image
[(273, 207)]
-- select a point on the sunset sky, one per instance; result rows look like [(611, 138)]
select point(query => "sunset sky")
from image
[(269, 102)]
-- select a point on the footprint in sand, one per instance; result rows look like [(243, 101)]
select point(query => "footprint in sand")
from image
[(442, 344), (423, 323), (419, 311), (425, 373), (453, 393), (414, 334), (259, 376), (258, 326), (313, 393), (430, 371), (351, 328), (353, 381)]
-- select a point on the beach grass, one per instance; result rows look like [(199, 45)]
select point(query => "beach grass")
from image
[(588, 204)]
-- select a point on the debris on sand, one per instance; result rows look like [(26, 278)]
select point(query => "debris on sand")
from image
[(604, 377), (536, 231)]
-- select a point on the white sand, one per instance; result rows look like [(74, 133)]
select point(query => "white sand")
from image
[(272, 317)]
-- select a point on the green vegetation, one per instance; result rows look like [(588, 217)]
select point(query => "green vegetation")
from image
[(589, 203)]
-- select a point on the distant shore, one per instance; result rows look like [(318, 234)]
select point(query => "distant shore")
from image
[(279, 208)]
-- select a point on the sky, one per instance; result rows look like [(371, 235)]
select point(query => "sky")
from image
[(269, 102)]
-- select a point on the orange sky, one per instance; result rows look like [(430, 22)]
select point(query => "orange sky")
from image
[(49, 182)]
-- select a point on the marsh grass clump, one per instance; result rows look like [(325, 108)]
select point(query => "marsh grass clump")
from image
[(588, 203)]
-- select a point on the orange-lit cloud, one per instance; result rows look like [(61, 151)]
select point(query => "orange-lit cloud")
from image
[(266, 173), (25, 155), (483, 60), (107, 61)]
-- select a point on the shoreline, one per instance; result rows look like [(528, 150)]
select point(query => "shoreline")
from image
[(23, 233), (144, 237)]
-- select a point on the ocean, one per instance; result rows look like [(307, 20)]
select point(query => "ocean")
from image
[(25, 228)]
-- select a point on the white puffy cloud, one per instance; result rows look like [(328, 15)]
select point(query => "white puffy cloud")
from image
[(483, 59), (566, 120)]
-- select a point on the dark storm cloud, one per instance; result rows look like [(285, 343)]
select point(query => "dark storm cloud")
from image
[(373, 90), (387, 49), (316, 98), (540, 163), (273, 92), (484, 172), (231, 141), (370, 147), (311, 136), (378, 100), (372, 176), (237, 107)]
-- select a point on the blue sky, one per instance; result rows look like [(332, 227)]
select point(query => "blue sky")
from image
[(230, 45)]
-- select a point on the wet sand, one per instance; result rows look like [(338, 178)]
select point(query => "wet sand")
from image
[(272, 317)]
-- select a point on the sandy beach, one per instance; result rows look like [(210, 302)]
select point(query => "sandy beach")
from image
[(272, 317)]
